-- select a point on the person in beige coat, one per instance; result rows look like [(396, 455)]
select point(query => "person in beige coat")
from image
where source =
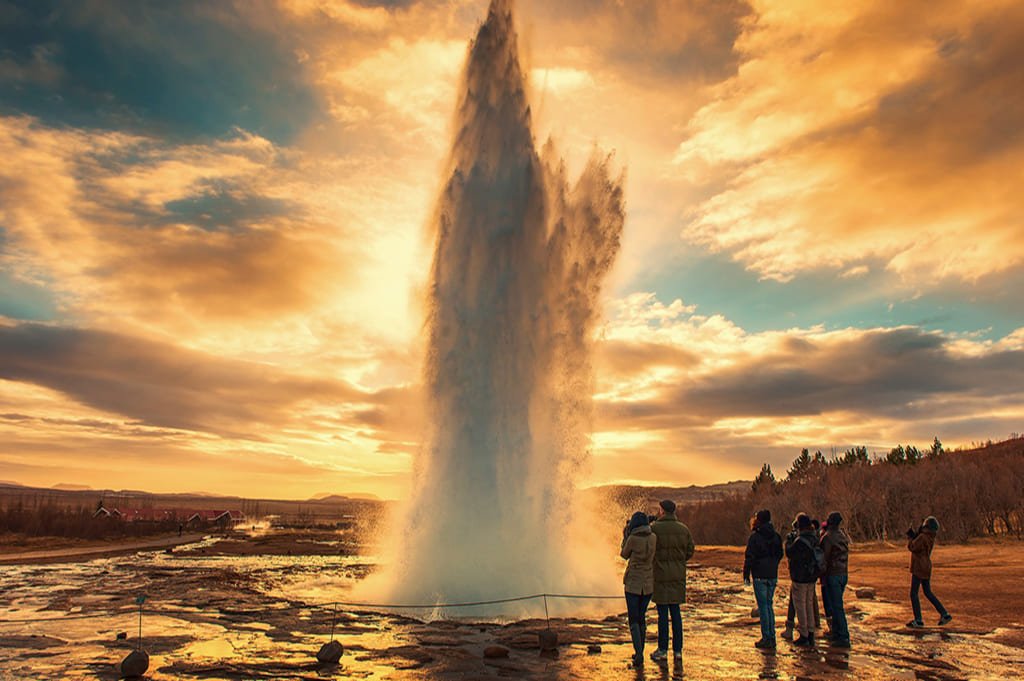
[(638, 547)]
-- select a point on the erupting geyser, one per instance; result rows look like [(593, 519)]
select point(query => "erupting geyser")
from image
[(513, 299)]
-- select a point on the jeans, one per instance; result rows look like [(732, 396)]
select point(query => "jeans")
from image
[(764, 594), (915, 583), (664, 610), (834, 587), (636, 612)]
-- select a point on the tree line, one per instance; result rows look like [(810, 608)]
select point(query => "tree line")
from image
[(973, 493), (51, 520)]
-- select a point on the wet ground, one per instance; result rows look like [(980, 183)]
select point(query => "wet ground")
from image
[(234, 617)]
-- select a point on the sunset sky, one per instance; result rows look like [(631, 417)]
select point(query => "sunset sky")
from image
[(214, 243)]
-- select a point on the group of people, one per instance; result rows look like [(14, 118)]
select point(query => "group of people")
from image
[(657, 549)]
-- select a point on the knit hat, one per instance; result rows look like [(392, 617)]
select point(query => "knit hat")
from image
[(668, 506), (639, 519), (803, 521), (931, 523), (764, 516), (834, 518)]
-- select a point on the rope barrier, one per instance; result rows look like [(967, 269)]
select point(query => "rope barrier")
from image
[(330, 604)]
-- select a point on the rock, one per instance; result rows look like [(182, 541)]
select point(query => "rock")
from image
[(494, 652), (548, 639), (121, 636), (135, 665), (755, 613), (593, 649), (330, 653), (865, 592)]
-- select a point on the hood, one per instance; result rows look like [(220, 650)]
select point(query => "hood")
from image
[(641, 531), (767, 529)]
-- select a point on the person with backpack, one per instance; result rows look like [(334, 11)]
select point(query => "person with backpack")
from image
[(761, 561), (920, 544), (835, 544), (787, 632), (806, 564)]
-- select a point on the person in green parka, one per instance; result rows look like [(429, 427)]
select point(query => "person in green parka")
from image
[(674, 549)]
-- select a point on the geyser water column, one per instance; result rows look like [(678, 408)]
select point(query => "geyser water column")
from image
[(513, 300)]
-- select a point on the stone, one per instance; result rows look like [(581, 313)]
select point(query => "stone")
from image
[(494, 652), (548, 639), (755, 613), (330, 653), (135, 665), (865, 592), (122, 636), (593, 649)]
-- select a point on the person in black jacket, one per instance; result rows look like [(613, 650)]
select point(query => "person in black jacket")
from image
[(761, 561), (803, 573)]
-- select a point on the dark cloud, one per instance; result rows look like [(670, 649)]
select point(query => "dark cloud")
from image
[(180, 69), (875, 372), (219, 205), (159, 384), (658, 40), (633, 358)]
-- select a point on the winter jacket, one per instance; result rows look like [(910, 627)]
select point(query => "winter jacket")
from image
[(675, 547), (921, 553), (764, 551), (638, 548), (800, 551), (836, 545)]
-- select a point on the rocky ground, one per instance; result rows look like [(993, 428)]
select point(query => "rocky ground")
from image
[(235, 614)]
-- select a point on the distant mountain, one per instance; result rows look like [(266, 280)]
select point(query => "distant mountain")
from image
[(10, 483), (71, 487), (681, 495), (330, 497)]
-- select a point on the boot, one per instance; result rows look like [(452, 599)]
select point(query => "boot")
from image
[(637, 636), (787, 633)]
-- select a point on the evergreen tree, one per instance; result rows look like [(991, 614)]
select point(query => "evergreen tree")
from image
[(801, 468), (765, 479)]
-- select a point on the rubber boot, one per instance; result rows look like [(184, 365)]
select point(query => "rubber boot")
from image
[(637, 636)]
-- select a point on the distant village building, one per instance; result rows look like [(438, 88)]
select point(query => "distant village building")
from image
[(191, 517)]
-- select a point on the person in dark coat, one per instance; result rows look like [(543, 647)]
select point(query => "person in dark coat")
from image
[(787, 633), (920, 543), (803, 575), (836, 545), (675, 548), (761, 562)]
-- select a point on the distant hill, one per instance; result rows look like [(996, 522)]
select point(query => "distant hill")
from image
[(70, 487), (692, 494), (328, 497)]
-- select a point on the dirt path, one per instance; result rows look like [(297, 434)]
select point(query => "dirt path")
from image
[(979, 583), (77, 553)]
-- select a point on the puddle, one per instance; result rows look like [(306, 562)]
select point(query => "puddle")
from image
[(257, 617)]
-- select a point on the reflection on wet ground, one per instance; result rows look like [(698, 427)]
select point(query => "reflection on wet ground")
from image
[(245, 617)]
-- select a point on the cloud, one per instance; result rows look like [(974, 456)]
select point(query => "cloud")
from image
[(132, 228), (706, 393), (159, 384), (866, 131)]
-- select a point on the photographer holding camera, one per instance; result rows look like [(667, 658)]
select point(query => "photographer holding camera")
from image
[(920, 542), (638, 547)]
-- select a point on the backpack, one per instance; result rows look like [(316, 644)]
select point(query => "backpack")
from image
[(816, 568)]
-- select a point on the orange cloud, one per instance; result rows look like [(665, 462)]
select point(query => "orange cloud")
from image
[(866, 131)]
